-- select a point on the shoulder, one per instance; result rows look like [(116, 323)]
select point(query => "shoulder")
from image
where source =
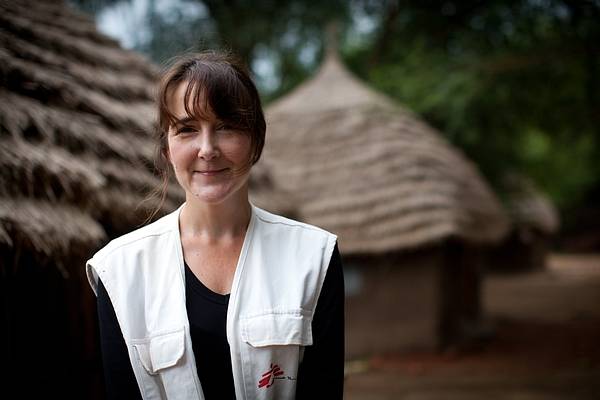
[(140, 238), (286, 224), (133, 253), (290, 239)]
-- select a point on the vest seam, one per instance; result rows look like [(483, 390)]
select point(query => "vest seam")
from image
[(298, 312), (133, 240), (291, 224)]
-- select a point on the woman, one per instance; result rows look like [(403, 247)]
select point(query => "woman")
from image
[(218, 299)]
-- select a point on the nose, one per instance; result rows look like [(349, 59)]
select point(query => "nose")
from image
[(208, 148)]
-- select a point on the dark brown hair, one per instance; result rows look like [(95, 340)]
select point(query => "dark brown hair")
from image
[(217, 82)]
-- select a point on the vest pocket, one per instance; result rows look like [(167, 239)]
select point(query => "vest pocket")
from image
[(285, 328), (162, 367), (272, 344), (160, 351)]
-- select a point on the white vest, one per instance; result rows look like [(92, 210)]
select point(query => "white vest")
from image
[(275, 288)]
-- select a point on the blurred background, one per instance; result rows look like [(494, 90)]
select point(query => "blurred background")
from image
[(452, 146)]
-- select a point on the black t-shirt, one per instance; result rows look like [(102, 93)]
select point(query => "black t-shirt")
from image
[(320, 375), (207, 313)]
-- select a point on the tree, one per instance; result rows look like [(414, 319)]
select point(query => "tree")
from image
[(513, 83)]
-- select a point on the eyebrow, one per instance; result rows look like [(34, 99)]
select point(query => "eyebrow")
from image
[(184, 121)]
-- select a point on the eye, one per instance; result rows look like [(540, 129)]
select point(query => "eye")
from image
[(185, 129), (224, 126)]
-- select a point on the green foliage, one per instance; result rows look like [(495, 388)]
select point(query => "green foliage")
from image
[(514, 84), (565, 167)]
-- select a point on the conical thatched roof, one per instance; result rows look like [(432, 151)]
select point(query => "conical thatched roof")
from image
[(76, 115), (528, 206), (351, 161)]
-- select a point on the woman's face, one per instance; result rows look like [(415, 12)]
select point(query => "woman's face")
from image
[(209, 158)]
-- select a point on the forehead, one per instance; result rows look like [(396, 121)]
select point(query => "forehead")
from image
[(197, 103)]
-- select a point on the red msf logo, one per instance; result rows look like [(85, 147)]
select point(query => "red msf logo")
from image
[(269, 377)]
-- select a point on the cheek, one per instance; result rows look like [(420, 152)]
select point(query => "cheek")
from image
[(177, 155), (237, 149)]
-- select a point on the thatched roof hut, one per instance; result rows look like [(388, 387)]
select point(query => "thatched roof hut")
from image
[(535, 220), (411, 212), (528, 206), (75, 118), (354, 162), (76, 112)]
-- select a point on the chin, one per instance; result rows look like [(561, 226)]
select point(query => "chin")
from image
[(213, 195), (210, 198)]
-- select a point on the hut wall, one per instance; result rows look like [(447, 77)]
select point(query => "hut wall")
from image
[(460, 316), (523, 250), (421, 301), (395, 304), (49, 330)]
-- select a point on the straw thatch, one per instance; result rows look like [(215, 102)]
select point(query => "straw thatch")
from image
[(534, 219), (528, 207), (76, 114), (351, 161)]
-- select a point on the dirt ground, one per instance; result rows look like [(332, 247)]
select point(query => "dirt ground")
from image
[(545, 345)]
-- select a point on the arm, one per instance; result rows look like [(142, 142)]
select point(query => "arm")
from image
[(118, 372), (321, 373)]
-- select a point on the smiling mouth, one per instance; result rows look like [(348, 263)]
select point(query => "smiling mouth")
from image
[(211, 172)]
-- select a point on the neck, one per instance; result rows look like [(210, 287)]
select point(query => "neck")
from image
[(224, 220)]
